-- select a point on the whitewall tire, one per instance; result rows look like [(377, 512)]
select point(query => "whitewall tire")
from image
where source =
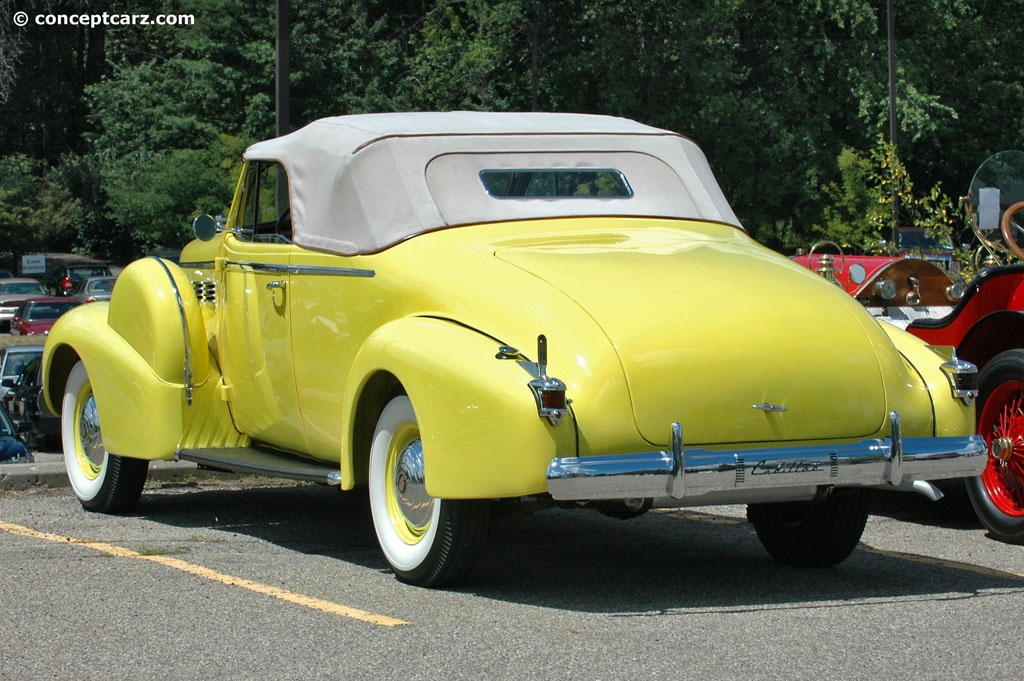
[(427, 541), (102, 481)]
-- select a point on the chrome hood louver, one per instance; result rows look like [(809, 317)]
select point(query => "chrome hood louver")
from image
[(206, 291)]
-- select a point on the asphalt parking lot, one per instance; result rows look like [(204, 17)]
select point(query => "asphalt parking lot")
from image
[(246, 578)]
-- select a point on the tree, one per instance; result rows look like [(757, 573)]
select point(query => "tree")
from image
[(35, 211), (471, 54), (859, 216), (773, 92)]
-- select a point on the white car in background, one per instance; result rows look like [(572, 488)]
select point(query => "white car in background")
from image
[(13, 359)]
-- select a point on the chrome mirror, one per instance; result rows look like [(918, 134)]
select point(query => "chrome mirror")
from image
[(204, 227)]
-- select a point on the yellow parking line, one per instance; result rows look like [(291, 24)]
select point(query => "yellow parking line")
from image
[(942, 562), (213, 575)]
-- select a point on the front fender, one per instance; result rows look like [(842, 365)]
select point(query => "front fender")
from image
[(482, 436), (134, 350)]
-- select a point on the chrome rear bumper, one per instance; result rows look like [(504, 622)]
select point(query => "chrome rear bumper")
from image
[(680, 474)]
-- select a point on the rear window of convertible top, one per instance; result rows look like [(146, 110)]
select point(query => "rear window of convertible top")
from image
[(555, 183)]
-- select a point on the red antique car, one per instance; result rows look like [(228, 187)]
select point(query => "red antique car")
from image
[(987, 328), (984, 322)]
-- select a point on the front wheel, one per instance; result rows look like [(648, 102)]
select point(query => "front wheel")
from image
[(818, 534), (997, 495), (427, 541), (102, 481)]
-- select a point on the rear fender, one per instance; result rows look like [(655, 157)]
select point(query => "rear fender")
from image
[(949, 415), (992, 335), (482, 436)]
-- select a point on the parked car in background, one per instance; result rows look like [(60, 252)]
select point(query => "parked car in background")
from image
[(64, 276), (918, 243), (13, 292), (12, 449), (13, 359), (5, 274), (26, 405), (36, 316), (94, 289), (457, 308)]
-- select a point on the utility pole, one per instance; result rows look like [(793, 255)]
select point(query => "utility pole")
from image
[(892, 121), (534, 12), (282, 33), (281, 77)]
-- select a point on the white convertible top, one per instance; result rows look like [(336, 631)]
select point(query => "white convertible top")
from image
[(361, 183)]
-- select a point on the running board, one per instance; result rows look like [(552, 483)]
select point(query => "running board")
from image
[(262, 462)]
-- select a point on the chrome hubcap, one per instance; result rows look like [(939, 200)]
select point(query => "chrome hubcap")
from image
[(89, 432), (410, 490), (1002, 448)]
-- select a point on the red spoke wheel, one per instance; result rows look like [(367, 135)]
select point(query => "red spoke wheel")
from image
[(998, 493)]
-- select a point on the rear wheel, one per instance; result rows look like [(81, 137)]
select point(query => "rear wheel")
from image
[(998, 493), (427, 541), (806, 534), (102, 481)]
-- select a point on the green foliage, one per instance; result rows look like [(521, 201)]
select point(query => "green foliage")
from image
[(142, 127), (471, 54), (345, 58), (860, 214), (852, 213), (35, 210), (170, 121), (155, 194)]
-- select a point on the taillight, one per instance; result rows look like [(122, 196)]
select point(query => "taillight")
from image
[(547, 390), (962, 375), (550, 396)]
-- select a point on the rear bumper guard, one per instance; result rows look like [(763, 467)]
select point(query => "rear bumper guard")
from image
[(680, 473)]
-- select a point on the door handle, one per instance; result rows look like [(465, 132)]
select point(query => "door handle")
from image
[(271, 285)]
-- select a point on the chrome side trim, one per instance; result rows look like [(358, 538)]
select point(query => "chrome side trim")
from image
[(678, 474), (299, 269), (894, 469), (198, 265), (189, 385)]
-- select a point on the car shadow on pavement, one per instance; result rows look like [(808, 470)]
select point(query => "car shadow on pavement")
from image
[(661, 563), (953, 510)]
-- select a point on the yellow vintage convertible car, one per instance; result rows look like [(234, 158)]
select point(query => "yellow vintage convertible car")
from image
[(457, 308)]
